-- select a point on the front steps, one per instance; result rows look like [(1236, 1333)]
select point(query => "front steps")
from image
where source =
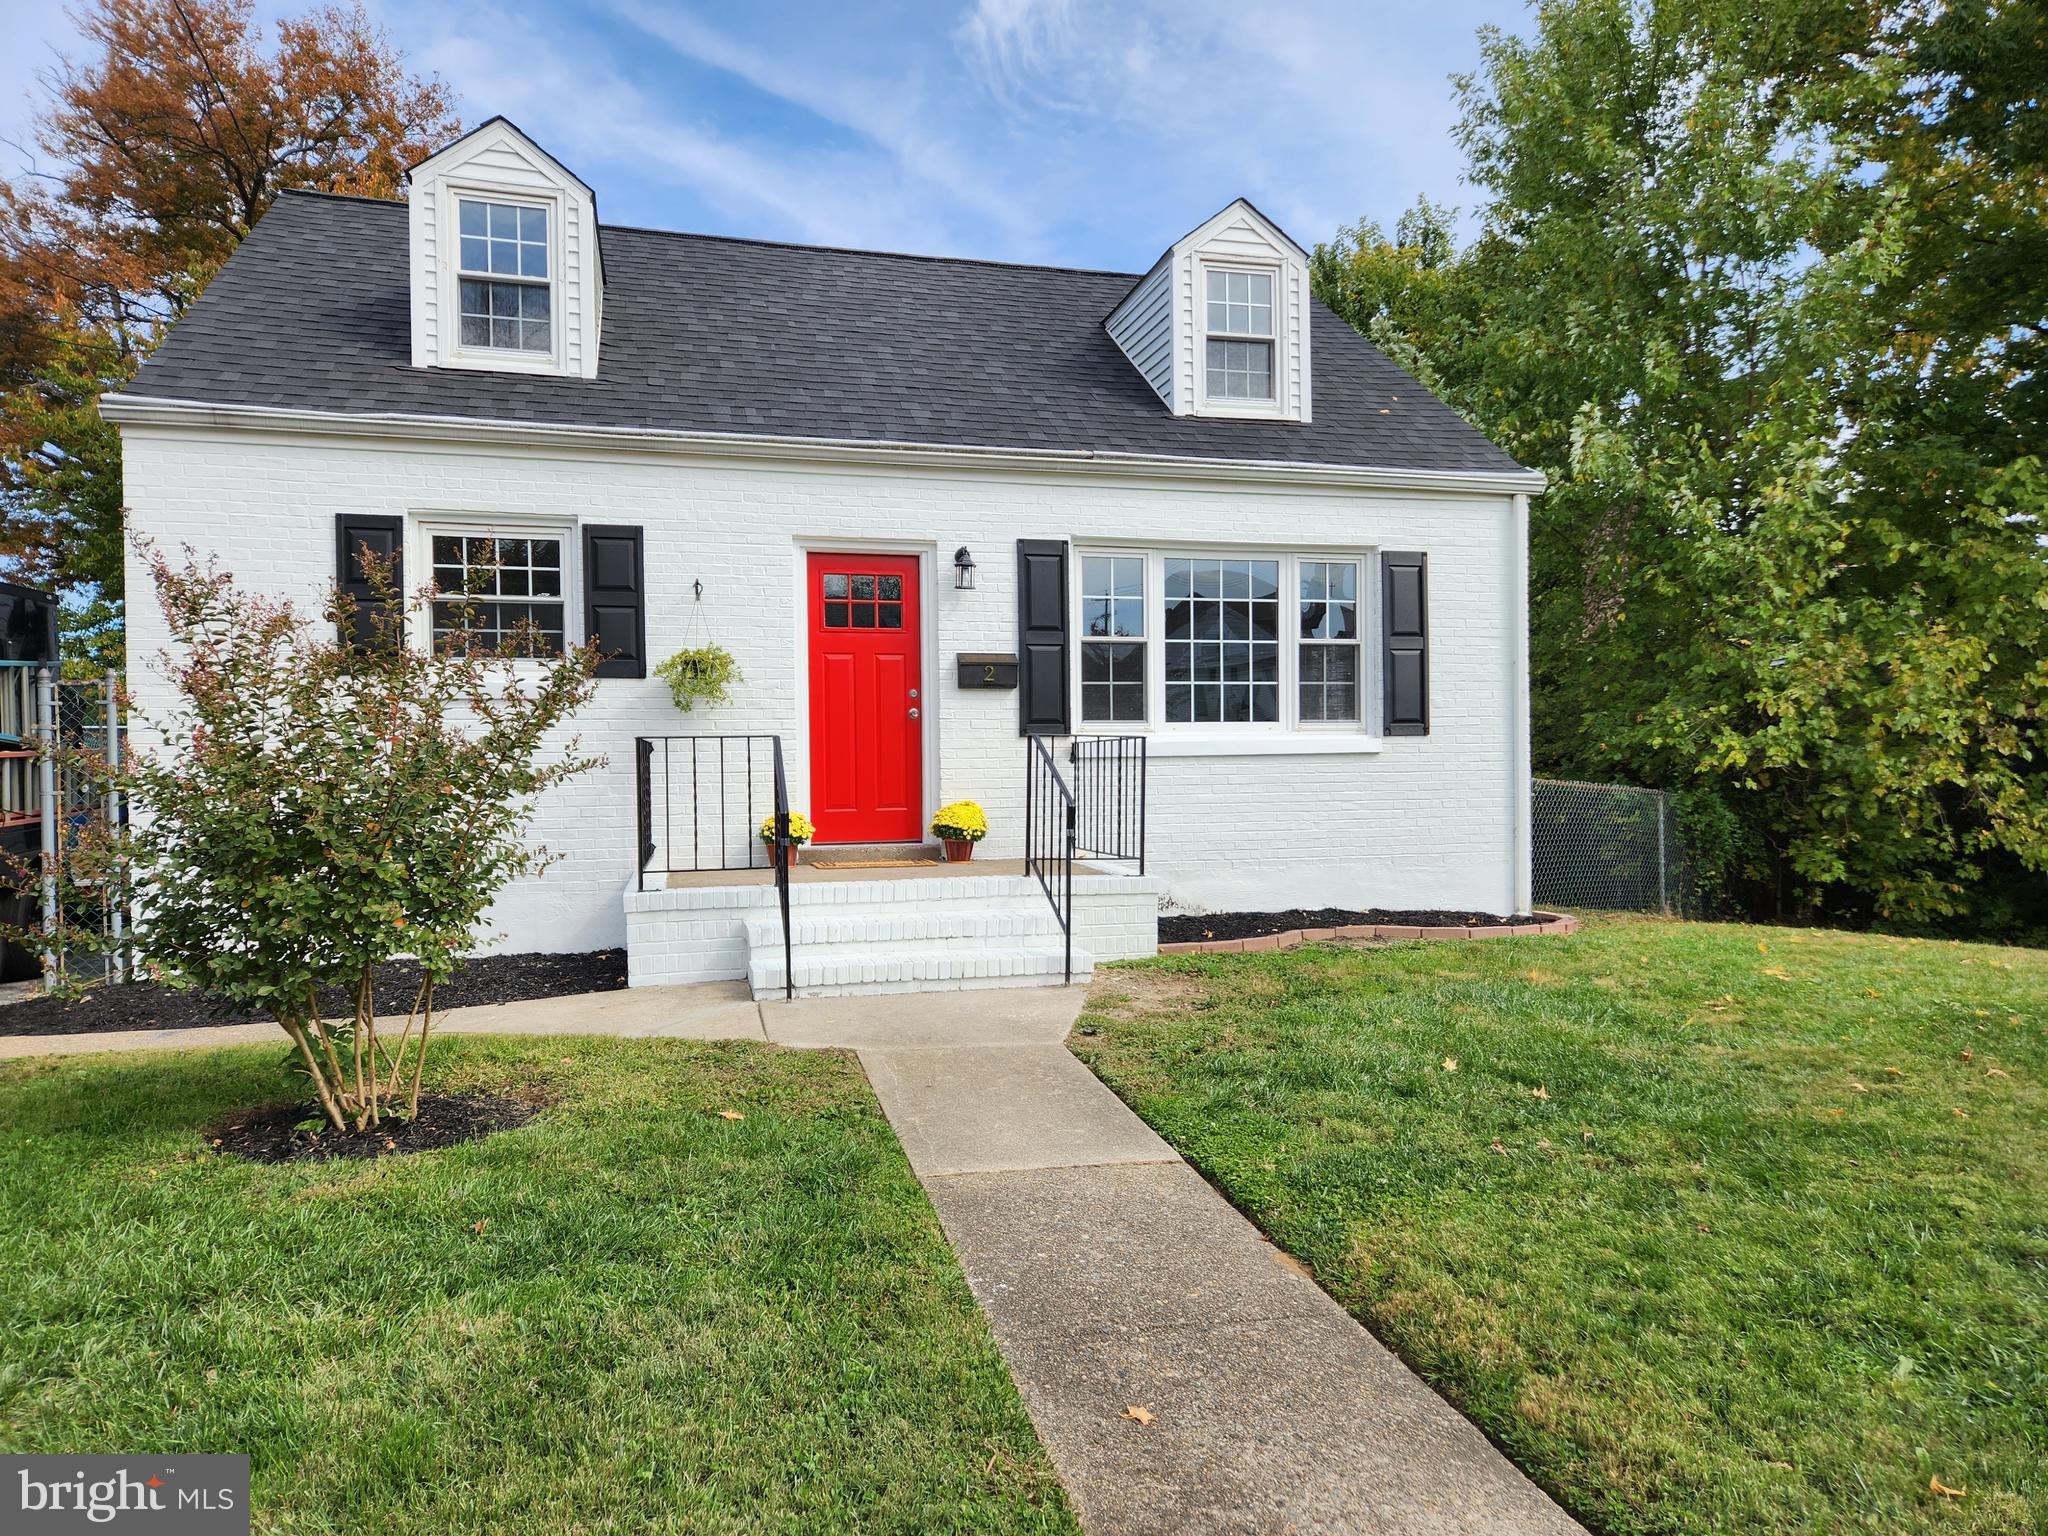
[(955, 929), (908, 947)]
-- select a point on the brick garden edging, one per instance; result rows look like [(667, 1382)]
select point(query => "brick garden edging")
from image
[(1294, 937)]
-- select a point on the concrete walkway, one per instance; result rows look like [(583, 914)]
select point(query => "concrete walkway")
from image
[(1185, 1375)]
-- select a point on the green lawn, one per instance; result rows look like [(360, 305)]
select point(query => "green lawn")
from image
[(1712, 1228), (629, 1315)]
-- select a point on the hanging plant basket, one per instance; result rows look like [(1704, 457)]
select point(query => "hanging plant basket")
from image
[(705, 675)]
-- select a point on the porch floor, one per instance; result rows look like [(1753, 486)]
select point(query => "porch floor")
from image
[(805, 874)]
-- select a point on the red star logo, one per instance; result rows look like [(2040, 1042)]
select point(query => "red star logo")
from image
[(155, 1481)]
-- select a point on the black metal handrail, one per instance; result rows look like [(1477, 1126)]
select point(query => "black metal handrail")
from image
[(1109, 795), (1049, 837), (723, 781), (701, 802), (782, 847)]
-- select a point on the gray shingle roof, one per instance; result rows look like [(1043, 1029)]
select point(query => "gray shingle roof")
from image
[(707, 334)]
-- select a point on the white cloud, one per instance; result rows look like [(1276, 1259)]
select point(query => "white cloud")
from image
[(589, 116), (886, 111), (1014, 46)]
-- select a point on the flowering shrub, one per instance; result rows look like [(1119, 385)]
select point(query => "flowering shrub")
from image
[(319, 805), (962, 821), (800, 828)]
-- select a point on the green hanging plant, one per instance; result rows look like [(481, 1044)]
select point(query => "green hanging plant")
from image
[(707, 673)]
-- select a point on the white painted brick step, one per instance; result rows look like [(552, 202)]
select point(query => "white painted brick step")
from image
[(936, 926), (914, 967)]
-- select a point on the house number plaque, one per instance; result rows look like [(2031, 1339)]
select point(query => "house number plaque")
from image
[(987, 670)]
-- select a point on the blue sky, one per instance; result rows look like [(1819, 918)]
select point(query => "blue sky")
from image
[(1064, 131)]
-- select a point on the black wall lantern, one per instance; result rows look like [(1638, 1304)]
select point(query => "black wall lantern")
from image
[(963, 569)]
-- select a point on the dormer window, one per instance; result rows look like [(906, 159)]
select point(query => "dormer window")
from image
[(505, 290), (1238, 363), (1220, 324)]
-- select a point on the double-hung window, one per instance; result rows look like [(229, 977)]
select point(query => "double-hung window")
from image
[(1328, 653), (500, 592), (1238, 355), (1256, 640), (1113, 631), (504, 291)]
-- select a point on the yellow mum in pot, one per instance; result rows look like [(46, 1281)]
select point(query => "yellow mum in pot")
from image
[(960, 826), (800, 828)]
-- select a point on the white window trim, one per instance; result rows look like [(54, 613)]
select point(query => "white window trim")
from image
[(423, 524), (1290, 734), (1256, 410), (555, 360)]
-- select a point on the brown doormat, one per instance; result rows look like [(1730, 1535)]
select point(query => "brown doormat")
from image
[(872, 863)]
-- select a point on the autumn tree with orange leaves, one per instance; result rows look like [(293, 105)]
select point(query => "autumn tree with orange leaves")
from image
[(163, 152)]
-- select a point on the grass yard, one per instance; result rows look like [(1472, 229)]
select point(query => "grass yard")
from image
[(631, 1314), (1712, 1228)]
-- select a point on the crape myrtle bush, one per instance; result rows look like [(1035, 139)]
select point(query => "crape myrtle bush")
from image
[(324, 797)]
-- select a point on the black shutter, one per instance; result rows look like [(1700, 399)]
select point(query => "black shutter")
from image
[(385, 538), (1404, 600), (1042, 704), (615, 599)]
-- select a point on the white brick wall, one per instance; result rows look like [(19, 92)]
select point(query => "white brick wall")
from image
[(1423, 822)]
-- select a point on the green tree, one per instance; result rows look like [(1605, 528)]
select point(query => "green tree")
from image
[(1739, 288)]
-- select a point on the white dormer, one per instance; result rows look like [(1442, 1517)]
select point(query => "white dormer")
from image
[(506, 273), (1220, 325)]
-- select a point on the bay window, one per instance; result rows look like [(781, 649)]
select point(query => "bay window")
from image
[(1235, 641)]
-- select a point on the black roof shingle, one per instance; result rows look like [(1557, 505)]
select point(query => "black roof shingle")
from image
[(709, 334)]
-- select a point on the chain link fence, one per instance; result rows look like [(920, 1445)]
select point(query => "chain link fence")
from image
[(1609, 846)]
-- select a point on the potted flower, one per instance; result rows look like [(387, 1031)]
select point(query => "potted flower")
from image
[(800, 832), (960, 826)]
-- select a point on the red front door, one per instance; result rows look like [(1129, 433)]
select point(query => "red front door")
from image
[(867, 727)]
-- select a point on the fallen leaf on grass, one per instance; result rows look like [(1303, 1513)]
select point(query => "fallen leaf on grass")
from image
[(1996, 1072), (1969, 1055), (1894, 1071), (1497, 1147), (1139, 1415), (1936, 1485), (1540, 1092), (1762, 948), (478, 1225), (1776, 970), (1959, 1112), (1857, 1087), (730, 1114), (1450, 1063)]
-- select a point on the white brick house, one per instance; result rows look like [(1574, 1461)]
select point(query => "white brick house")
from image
[(1199, 511)]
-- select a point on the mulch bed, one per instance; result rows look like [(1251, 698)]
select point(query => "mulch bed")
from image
[(299, 1133), (486, 979), (1193, 928)]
